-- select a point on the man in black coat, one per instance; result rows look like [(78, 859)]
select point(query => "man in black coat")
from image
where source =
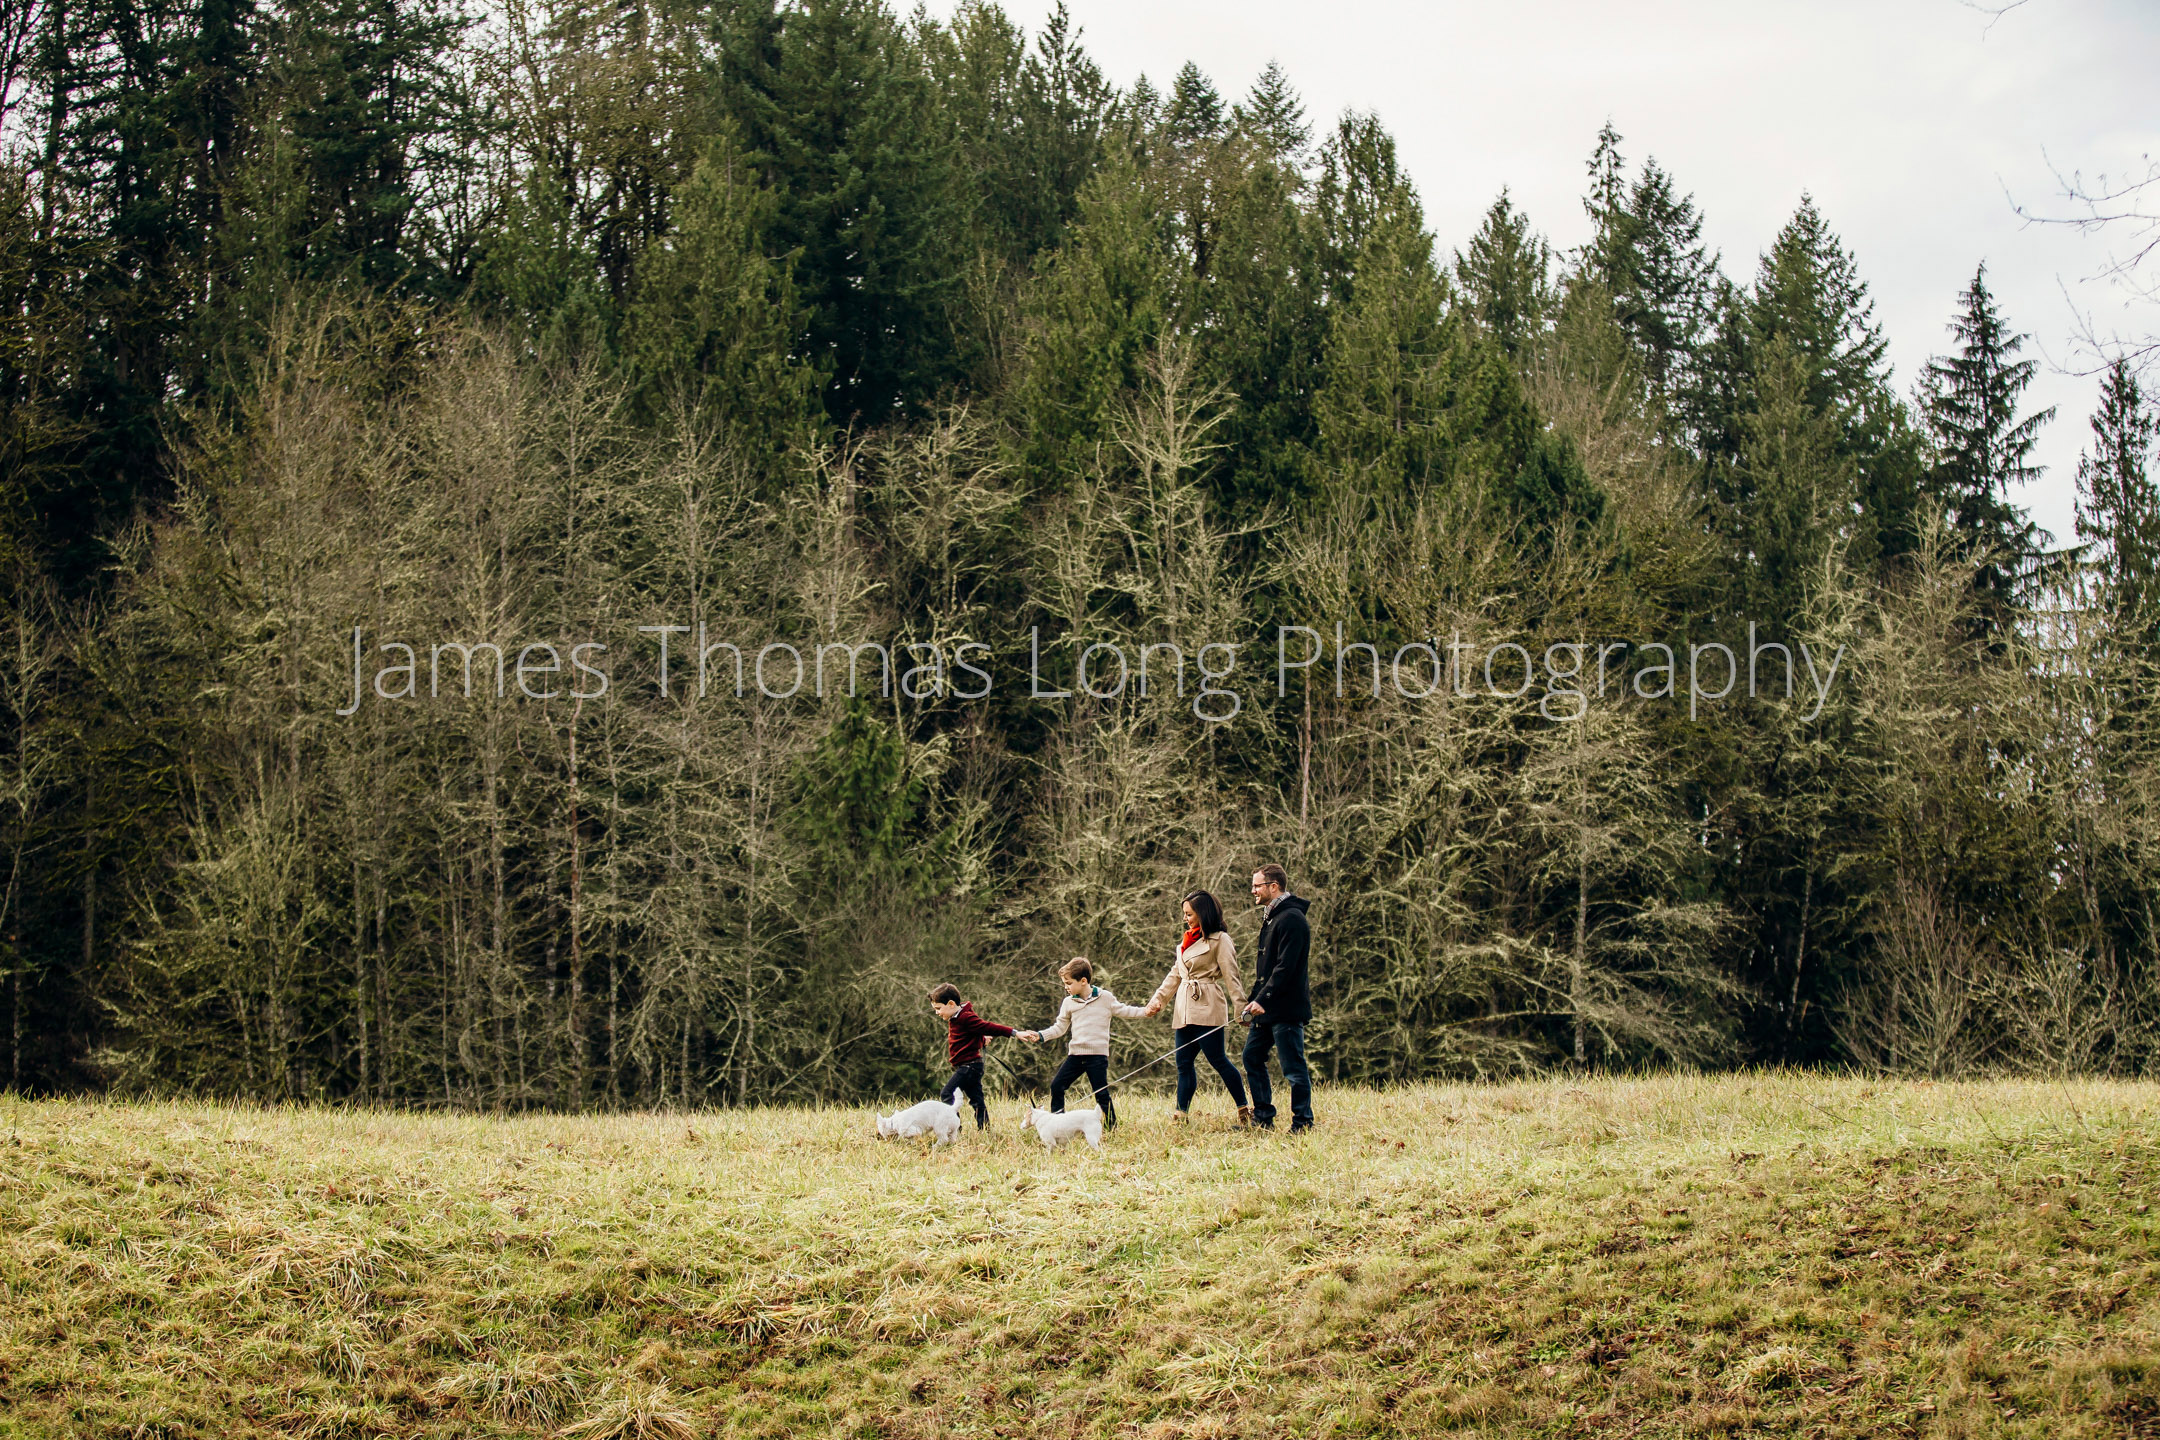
[(1281, 1001)]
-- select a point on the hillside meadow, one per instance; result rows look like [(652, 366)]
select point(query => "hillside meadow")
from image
[(1783, 1254)]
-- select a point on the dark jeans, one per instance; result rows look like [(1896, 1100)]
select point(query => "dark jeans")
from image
[(967, 1080), (1288, 1042), (1193, 1041), (1097, 1070)]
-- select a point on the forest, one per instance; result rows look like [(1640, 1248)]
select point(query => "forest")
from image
[(332, 323)]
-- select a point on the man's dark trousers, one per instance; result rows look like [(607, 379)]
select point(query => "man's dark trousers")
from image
[(1288, 1042), (967, 1080)]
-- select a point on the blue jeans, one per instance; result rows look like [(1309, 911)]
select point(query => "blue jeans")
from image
[(1288, 1042)]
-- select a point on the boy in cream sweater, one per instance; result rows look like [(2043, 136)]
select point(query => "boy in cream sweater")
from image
[(1087, 1012)]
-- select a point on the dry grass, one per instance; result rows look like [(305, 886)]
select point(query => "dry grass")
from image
[(1768, 1254)]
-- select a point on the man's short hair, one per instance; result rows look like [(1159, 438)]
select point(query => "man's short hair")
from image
[(1273, 875), (1077, 968), (945, 995)]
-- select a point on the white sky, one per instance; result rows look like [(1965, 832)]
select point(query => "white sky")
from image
[(1914, 123)]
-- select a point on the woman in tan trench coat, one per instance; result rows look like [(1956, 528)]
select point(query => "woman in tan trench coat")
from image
[(1207, 994)]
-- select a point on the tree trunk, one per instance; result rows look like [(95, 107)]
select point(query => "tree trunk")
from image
[(385, 1026), (1792, 1007), (577, 950), (1304, 794), (359, 998), (1581, 955)]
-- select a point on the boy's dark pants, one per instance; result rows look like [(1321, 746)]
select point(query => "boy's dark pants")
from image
[(967, 1080), (1288, 1042), (1097, 1070)]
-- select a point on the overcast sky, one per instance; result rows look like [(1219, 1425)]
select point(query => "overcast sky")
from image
[(1914, 123)]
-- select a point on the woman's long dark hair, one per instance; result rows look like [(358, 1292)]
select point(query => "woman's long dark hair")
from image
[(1210, 913)]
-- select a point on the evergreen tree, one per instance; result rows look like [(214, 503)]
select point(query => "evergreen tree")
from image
[(144, 118), (1273, 115), (363, 88), (1808, 293), (1983, 448), (1195, 113), (1361, 187), (1097, 305), (712, 322), (1507, 273), (859, 799), (2118, 507), (1065, 105), (1028, 123), (1138, 113), (1259, 321), (1412, 397), (834, 109), (1380, 409), (1800, 488), (1647, 253), (1608, 178), (1809, 304)]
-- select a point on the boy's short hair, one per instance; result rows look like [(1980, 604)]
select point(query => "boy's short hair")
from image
[(945, 995), (1273, 875), (1077, 968)]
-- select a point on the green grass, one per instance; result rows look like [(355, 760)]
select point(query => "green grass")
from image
[(1768, 1254)]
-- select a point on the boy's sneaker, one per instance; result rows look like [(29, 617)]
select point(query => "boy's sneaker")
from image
[(1179, 1117)]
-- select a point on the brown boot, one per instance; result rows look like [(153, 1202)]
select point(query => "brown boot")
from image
[(1244, 1117), (1179, 1117)]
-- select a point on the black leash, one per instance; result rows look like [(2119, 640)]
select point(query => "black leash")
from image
[(1035, 1085), (1212, 1029)]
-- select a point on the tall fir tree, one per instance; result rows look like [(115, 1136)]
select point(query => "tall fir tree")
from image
[(836, 114), (1028, 123), (1195, 113), (1258, 317), (1809, 300), (1808, 292), (1273, 115), (2118, 507), (1411, 395), (711, 325), (1096, 306), (1507, 273), (1647, 253), (1361, 186), (1983, 448)]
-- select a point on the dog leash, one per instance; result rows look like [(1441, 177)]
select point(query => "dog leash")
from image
[(1212, 1029), (1035, 1085)]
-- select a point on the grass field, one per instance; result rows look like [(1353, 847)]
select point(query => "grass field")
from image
[(1768, 1254)]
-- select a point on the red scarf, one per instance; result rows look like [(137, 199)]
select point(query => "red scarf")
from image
[(1190, 936)]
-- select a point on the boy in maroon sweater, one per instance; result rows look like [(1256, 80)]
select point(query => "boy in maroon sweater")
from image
[(965, 1032)]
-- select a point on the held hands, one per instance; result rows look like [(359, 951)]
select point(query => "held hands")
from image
[(1030, 1036), (1154, 1008)]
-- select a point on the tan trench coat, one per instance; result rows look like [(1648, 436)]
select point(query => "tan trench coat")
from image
[(1205, 980)]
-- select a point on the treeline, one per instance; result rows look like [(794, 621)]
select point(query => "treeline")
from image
[(811, 324)]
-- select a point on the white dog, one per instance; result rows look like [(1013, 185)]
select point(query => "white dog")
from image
[(931, 1115), (1056, 1129)]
